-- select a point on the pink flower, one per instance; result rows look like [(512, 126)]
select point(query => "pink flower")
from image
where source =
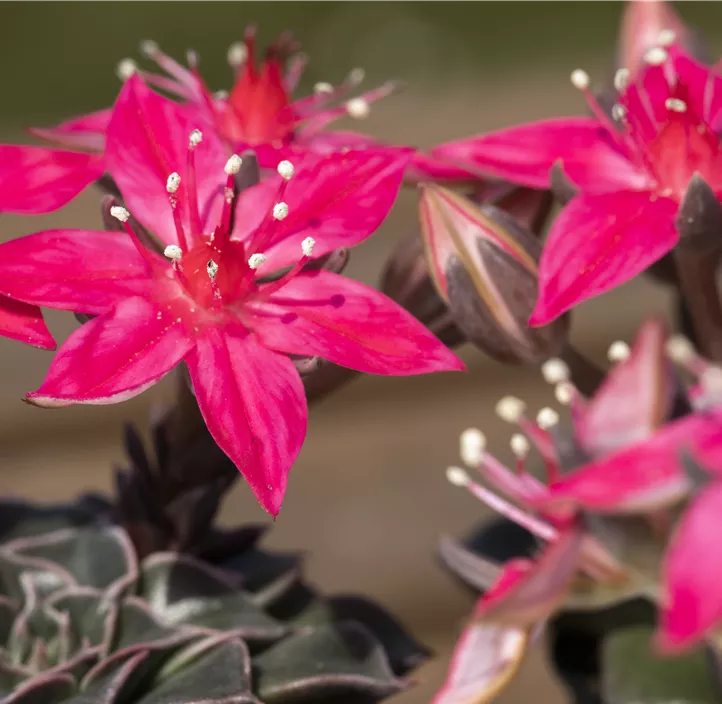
[(209, 302), (23, 322), (41, 179), (259, 111), (632, 174)]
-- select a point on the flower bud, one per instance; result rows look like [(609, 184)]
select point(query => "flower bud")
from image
[(699, 219), (484, 265), (528, 206)]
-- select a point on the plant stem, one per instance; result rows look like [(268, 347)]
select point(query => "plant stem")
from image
[(698, 285)]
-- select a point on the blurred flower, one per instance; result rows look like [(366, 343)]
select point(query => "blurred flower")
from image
[(484, 266), (206, 302), (653, 174)]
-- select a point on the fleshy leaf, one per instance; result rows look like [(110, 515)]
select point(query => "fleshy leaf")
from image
[(43, 689), (343, 661), (21, 519), (633, 674)]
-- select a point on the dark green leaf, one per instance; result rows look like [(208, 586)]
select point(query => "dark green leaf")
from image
[(112, 686), (633, 674), (330, 661), (91, 617), (43, 689), (22, 520), (265, 574)]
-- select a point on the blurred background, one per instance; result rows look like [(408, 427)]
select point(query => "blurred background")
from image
[(367, 499)]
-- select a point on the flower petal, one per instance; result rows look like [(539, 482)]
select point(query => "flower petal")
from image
[(342, 321), (634, 399), (37, 180), (114, 357), (23, 322), (253, 402), (598, 242), (339, 200), (693, 600), (147, 141), (78, 270), (85, 132), (526, 153), (703, 88)]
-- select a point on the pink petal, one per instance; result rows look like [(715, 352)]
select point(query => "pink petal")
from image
[(85, 132), (254, 405), (23, 322), (598, 242), (525, 154), (77, 270), (114, 357), (703, 87), (425, 167), (339, 200), (693, 601), (634, 399), (343, 321), (147, 141), (37, 180)]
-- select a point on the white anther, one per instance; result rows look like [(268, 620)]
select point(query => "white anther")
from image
[(195, 138), (547, 418), (237, 54), (358, 108), (555, 370), (675, 105), (666, 37), (619, 112), (621, 79), (212, 268), (256, 260), (564, 393), (457, 476), (125, 69), (221, 95), (680, 349), (510, 408), (149, 47), (173, 182), (356, 76), (280, 211), (580, 79), (618, 351), (472, 443), (711, 380), (519, 446), (285, 168), (120, 213), (656, 56), (307, 246), (323, 88), (233, 165), (173, 252)]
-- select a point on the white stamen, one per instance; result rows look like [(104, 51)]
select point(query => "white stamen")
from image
[(356, 76), (173, 252), (580, 79), (656, 56), (472, 443), (173, 182), (221, 95), (280, 211), (237, 54), (618, 351), (619, 112), (212, 268), (711, 380), (680, 349), (675, 105), (256, 260), (125, 69), (621, 79), (358, 108), (149, 47), (196, 137), (564, 393), (519, 446), (120, 213), (323, 88), (547, 418), (233, 165), (510, 408), (285, 168), (457, 476), (307, 246), (666, 37), (555, 370)]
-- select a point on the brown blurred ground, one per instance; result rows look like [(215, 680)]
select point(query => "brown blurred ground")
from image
[(367, 497)]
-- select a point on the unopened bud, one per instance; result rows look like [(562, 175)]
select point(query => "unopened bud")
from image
[(699, 218)]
